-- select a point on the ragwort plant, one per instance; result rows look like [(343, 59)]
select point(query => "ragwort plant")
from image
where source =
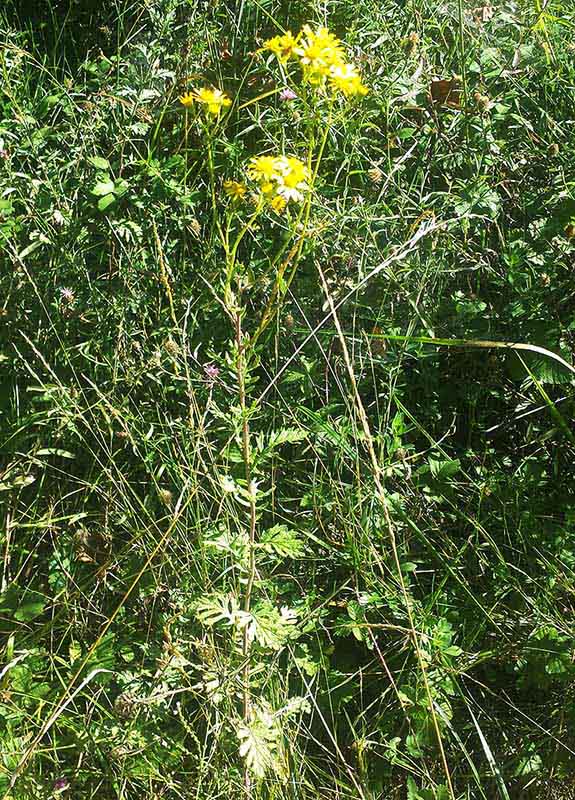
[(276, 189)]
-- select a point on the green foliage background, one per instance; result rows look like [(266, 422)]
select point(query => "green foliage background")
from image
[(122, 552)]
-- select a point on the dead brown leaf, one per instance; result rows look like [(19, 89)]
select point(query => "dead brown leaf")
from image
[(446, 92)]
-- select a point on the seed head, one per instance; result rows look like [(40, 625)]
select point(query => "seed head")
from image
[(375, 175)]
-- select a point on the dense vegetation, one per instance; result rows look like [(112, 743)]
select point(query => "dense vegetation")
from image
[(287, 487)]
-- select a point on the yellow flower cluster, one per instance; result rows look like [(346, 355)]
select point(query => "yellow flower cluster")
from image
[(283, 47), (281, 179), (322, 58), (213, 99), (235, 190)]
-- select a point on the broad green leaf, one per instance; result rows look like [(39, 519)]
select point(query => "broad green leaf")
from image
[(282, 541), (102, 188), (32, 606), (99, 162), (106, 201), (447, 468), (259, 745)]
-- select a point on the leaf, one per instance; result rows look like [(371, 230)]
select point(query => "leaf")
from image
[(269, 627), (286, 435), (104, 655), (528, 764), (106, 202), (17, 481), (99, 162), (102, 188), (121, 187), (55, 451), (217, 608), (446, 92), (74, 651), (6, 207), (282, 541), (412, 792), (32, 606), (441, 470), (259, 743)]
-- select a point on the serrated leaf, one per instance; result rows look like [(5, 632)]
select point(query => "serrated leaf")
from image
[(259, 744), (217, 608), (282, 541), (269, 627), (286, 436)]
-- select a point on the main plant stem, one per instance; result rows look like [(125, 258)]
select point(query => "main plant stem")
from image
[(241, 367)]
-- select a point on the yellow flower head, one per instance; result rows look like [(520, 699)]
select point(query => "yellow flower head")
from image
[(318, 52), (214, 100), (346, 79), (280, 179), (187, 99), (294, 179), (282, 46), (235, 190), (264, 168), (278, 204)]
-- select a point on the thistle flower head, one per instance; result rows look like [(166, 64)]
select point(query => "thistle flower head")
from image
[(60, 785), (287, 94), (211, 372), (67, 295)]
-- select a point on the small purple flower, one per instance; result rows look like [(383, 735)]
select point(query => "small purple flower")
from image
[(211, 372), (287, 94), (61, 784)]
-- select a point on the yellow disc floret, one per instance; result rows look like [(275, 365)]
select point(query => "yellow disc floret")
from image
[(278, 204), (264, 168), (294, 179)]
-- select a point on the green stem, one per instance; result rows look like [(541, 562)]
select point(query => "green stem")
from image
[(294, 254)]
